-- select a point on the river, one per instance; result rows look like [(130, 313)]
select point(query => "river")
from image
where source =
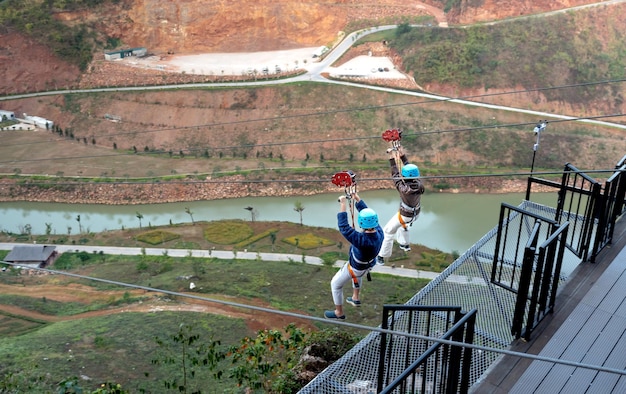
[(448, 222)]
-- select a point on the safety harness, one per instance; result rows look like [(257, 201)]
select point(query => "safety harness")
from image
[(362, 266)]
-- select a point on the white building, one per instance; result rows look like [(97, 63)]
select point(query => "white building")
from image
[(6, 114), (320, 51), (38, 121)]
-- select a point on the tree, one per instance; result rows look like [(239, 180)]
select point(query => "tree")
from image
[(273, 239), (266, 362), (188, 211), (28, 230), (298, 207), (139, 216), (186, 350), (80, 227), (252, 212)]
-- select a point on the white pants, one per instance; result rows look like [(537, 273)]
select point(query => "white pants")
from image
[(341, 278), (394, 230)]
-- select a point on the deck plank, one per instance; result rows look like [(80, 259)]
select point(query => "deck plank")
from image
[(590, 334)]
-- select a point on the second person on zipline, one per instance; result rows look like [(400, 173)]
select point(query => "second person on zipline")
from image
[(410, 187)]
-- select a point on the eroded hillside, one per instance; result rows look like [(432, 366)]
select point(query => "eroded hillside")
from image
[(195, 26)]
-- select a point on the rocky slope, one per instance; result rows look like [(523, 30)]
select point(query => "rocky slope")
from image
[(195, 26)]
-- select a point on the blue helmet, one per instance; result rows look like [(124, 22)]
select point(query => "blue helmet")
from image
[(410, 171), (368, 218)]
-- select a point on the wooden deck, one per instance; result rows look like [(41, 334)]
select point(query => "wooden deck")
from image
[(588, 327)]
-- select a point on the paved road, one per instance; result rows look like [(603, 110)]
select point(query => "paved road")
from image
[(222, 254)]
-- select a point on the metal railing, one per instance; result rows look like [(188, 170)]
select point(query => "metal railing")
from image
[(590, 208), (426, 366), (522, 267)]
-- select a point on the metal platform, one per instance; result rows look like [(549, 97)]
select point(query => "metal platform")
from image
[(588, 327)]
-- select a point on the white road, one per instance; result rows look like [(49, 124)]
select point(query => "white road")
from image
[(222, 254)]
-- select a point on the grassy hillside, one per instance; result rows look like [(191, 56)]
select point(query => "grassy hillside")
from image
[(540, 52), (73, 42), (67, 327)]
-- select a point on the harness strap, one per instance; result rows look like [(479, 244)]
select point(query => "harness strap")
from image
[(410, 208), (355, 280), (402, 222)]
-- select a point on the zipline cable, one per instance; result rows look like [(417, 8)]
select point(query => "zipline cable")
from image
[(306, 142), (316, 180), (368, 108)]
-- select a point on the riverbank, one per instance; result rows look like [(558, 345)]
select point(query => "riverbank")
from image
[(132, 193)]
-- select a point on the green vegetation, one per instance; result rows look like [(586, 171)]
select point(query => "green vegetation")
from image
[(308, 241), (157, 237), (255, 238), (95, 345), (36, 19), (227, 232), (528, 52)]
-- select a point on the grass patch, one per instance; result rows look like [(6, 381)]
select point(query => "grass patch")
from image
[(157, 237), (97, 346), (330, 258), (69, 260), (436, 262), (256, 238), (227, 232), (186, 245), (308, 241), (13, 325)]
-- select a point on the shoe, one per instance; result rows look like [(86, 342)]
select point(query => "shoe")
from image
[(380, 260), (331, 315), (406, 248), (350, 301)]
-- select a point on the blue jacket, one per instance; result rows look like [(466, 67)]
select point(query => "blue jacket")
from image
[(364, 246)]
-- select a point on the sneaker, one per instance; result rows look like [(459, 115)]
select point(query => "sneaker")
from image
[(332, 315), (352, 302), (406, 248), (380, 260)]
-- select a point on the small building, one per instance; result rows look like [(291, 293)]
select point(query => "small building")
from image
[(122, 53), (38, 121), (6, 115), (32, 255), (320, 51)]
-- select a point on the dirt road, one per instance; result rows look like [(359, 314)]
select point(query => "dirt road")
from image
[(155, 303)]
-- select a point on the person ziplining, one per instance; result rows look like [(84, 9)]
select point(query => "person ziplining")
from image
[(364, 245), (406, 179)]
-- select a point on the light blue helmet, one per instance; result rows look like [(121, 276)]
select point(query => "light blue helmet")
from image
[(368, 218), (410, 171)]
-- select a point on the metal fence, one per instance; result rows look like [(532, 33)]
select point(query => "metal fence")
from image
[(426, 366), (511, 287), (466, 284)]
